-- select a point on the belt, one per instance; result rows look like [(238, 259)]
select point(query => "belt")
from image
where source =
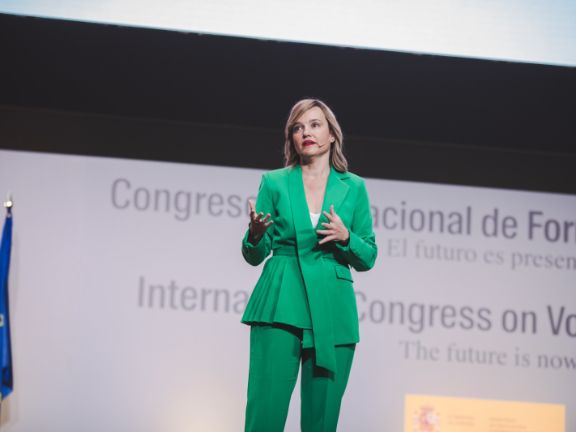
[(291, 251)]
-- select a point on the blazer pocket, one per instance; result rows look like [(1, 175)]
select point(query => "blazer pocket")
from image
[(343, 272)]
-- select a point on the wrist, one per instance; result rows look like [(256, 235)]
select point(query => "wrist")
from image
[(254, 238)]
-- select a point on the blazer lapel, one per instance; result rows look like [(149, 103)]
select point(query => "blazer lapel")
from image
[(336, 190)]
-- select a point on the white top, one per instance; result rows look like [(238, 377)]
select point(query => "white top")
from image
[(314, 218)]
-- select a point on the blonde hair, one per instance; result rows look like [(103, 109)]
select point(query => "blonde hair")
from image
[(291, 157)]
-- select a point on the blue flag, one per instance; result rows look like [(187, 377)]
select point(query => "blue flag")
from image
[(6, 381)]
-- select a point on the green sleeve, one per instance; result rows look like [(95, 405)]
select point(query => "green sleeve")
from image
[(361, 250), (255, 254)]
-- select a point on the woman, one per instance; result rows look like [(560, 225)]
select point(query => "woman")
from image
[(314, 216)]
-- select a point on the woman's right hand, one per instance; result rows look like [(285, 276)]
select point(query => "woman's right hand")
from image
[(258, 224)]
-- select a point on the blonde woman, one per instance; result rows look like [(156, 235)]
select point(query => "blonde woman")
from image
[(314, 217)]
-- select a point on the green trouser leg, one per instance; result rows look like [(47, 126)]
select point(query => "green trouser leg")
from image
[(322, 391), (275, 353), (274, 362)]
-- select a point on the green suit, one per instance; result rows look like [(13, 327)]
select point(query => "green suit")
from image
[(306, 285)]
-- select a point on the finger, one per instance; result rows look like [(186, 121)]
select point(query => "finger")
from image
[(327, 224), (325, 232), (327, 239), (266, 225), (328, 215), (334, 214), (265, 219)]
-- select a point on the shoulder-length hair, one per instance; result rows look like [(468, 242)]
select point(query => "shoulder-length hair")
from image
[(291, 157)]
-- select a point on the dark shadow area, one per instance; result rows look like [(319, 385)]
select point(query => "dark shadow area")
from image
[(104, 90)]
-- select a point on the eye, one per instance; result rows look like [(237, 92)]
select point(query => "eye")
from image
[(316, 124), (296, 128)]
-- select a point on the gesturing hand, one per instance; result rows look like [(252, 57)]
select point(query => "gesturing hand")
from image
[(335, 229), (258, 223)]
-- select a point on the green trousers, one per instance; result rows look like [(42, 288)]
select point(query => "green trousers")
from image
[(275, 356)]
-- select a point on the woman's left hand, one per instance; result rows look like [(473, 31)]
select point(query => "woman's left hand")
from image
[(335, 229)]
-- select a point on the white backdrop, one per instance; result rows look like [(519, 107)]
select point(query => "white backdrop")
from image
[(127, 287), (534, 31)]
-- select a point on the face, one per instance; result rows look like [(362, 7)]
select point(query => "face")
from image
[(311, 134)]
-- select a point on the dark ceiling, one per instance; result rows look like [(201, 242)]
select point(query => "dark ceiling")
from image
[(170, 75)]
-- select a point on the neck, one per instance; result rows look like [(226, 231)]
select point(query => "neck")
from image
[(316, 167)]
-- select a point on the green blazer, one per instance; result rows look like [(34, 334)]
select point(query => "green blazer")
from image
[(305, 284)]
